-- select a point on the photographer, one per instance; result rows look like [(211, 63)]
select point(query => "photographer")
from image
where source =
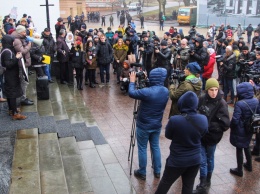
[(146, 49), (163, 59), (192, 32), (191, 83), (199, 54), (149, 117), (182, 56), (246, 60)]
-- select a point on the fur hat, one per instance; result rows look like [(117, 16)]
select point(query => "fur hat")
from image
[(20, 29)]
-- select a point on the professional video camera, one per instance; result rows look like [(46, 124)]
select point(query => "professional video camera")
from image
[(142, 80), (177, 75), (253, 75)]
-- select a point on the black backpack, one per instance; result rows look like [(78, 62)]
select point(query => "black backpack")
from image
[(252, 125)]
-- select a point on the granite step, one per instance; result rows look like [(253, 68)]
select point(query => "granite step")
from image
[(25, 167), (75, 173), (80, 131), (7, 142), (51, 165), (64, 128), (47, 124)]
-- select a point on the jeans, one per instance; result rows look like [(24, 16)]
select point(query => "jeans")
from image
[(103, 68), (207, 160), (161, 26), (228, 86), (153, 136), (47, 71), (171, 174), (248, 39)]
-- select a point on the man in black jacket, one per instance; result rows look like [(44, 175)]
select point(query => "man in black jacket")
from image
[(146, 50), (104, 54), (164, 59)]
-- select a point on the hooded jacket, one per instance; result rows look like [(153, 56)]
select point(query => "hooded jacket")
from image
[(238, 136), (12, 86), (153, 100), (49, 44), (229, 66), (193, 84), (186, 131), (208, 69)]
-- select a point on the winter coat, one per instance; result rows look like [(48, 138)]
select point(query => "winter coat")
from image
[(229, 66), (91, 60), (216, 111), (193, 84), (208, 69), (238, 136), (120, 52), (8, 26), (186, 131), (58, 27), (62, 46), (164, 58), (77, 58), (21, 45), (249, 30), (125, 73), (184, 58), (36, 53), (12, 86), (109, 36), (49, 44), (104, 53), (153, 100)]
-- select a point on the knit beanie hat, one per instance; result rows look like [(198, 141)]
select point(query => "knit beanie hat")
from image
[(20, 29), (211, 82), (193, 67)]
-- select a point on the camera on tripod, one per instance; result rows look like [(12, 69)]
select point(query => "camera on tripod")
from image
[(142, 80)]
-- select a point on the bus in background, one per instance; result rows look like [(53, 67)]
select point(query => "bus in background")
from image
[(187, 15)]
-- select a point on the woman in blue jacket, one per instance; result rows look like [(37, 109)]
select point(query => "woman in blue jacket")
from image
[(185, 131), (239, 137)]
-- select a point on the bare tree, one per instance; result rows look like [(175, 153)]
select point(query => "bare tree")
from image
[(186, 2), (114, 4), (162, 4)]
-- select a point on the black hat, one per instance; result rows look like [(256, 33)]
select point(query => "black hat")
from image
[(144, 35), (46, 29), (156, 38), (59, 19), (226, 43), (220, 40), (163, 43), (245, 48)]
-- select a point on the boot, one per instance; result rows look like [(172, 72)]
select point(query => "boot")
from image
[(18, 116), (209, 179), (77, 80), (248, 166), (92, 85), (80, 84), (236, 172), (202, 187)]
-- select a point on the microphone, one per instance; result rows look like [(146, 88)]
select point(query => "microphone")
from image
[(136, 65)]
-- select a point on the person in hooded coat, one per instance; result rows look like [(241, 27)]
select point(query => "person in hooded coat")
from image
[(12, 86), (239, 137), (185, 131), (153, 101)]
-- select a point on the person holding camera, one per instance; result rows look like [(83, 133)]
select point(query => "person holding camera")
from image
[(212, 105), (146, 49), (182, 56), (192, 32), (191, 83), (153, 100), (163, 59)]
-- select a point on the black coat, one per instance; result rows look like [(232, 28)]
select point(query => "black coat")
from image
[(49, 44), (36, 53), (12, 84), (104, 53), (62, 46), (164, 58), (229, 66), (77, 58), (216, 111)]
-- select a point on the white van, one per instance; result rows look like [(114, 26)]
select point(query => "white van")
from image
[(134, 6)]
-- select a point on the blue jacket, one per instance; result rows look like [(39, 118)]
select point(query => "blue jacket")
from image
[(153, 100), (186, 131), (238, 136)]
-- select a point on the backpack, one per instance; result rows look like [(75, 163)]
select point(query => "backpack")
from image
[(252, 125), (2, 69)]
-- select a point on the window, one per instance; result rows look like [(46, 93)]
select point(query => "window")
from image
[(241, 3), (250, 3), (231, 3)]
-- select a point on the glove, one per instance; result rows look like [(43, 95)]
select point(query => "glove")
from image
[(30, 39), (43, 58)]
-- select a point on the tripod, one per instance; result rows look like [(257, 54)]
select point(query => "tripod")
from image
[(133, 134)]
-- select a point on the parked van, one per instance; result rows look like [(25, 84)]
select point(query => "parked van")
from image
[(187, 15), (134, 6)]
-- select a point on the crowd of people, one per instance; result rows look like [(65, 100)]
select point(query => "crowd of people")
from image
[(178, 66)]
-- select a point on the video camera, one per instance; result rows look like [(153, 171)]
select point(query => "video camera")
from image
[(253, 75), (177, 75), (142, 80)]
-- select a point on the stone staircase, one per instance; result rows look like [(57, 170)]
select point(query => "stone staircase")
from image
[(57, 149)]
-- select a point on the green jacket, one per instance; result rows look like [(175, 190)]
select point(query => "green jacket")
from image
[(193, 84)]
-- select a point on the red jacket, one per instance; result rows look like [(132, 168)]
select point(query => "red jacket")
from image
[(208, 69)]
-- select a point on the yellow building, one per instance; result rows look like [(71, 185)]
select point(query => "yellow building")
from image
[(72, 7)]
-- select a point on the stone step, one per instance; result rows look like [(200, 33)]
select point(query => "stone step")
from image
[(75, 173), (51, 166), (25, 168), (80, 131), (7, 142)]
